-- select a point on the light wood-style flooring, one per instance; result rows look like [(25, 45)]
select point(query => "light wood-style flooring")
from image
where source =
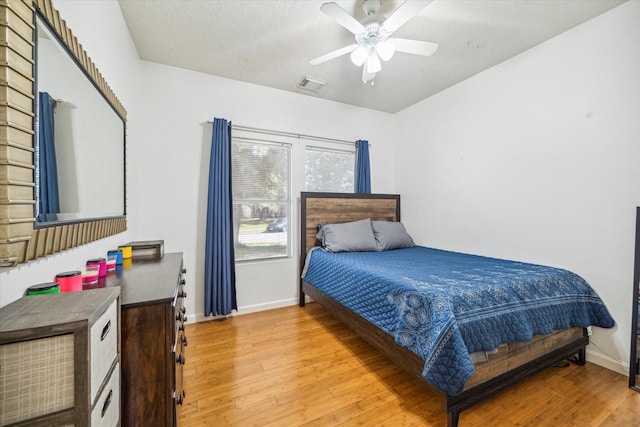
[(301, 367)]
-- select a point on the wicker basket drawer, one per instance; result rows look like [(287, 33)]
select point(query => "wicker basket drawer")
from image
[(37, 378)]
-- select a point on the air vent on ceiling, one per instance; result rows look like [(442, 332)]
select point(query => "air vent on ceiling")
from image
[(311, 84)]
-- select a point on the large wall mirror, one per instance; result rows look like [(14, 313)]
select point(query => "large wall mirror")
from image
[(80, 140), (62, 139)]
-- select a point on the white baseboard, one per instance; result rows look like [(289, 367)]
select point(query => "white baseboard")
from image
[(597, 357), (200, 317)]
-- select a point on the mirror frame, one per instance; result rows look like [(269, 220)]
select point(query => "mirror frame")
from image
[(20, 241), (634, 360)]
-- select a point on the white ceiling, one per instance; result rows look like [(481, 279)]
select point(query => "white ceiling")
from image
[(270, 42)]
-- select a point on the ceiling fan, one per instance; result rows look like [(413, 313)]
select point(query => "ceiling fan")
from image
[(372, 35)]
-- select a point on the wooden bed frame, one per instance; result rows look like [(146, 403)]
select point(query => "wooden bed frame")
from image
[(512, 364)]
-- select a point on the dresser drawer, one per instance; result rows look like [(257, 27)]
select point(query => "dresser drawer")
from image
[(52, 357), (106, 412), (36, 378), (104, 347)]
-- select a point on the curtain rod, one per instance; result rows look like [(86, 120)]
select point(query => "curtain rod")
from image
[(289, 134)]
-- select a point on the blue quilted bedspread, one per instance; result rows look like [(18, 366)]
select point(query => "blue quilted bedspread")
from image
[(445, 305)]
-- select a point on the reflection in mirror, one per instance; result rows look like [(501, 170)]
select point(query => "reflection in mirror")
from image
[(80, 141)]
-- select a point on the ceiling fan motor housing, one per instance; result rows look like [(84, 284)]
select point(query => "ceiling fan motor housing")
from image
[(371, 35)]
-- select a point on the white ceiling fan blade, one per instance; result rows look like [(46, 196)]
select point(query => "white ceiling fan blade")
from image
[(338, 14), (331, 55), (406, 11), (367, 76), (415, 47)]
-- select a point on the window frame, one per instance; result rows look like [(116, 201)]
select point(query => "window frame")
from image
[(297, 146)]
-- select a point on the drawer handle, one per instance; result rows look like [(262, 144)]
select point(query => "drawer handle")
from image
[(105, 330), (180, 398), (107, 403), (180, 359)]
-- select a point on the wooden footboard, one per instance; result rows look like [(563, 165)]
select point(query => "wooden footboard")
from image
[(512, 367)]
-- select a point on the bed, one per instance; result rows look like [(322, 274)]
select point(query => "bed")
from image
[(434, 351)]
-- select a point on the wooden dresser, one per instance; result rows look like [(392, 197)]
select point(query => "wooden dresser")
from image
[(59, 359), (153, 339)]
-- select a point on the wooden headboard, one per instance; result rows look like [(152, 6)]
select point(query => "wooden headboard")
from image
[(333, 208)]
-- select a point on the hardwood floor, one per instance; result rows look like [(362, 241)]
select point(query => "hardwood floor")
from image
[(301, 367)]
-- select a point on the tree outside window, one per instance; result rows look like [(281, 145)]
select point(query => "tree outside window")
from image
[(260, 199), (329, 170)]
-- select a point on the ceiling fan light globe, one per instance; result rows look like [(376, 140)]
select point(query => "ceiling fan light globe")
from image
[(359, 55), (385, 50), (373, 63)]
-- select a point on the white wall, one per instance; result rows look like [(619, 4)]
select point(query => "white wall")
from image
[(538, 159), (103, 34), (176, 150)]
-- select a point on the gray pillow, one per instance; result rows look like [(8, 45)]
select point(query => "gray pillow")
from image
[(355, 236), (391, 235)]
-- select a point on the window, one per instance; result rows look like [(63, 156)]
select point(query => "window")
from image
[(328, 170), (261, 187), (270, 168)]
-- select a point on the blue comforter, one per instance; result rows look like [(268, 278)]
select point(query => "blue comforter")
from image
[(445, 305)]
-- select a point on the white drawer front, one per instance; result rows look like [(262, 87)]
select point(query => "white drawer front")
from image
[(106, 412), (104, 347)]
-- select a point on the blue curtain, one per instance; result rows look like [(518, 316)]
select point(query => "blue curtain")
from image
[(219, 265), (363, 171), (49, 199)]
